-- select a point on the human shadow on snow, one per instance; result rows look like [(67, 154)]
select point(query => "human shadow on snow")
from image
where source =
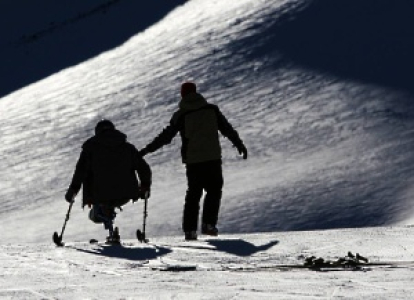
[(237, 247), (135, 254), (240, 247)]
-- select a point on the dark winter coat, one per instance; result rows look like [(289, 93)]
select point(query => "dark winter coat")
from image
[(107, 170), (198, 123)]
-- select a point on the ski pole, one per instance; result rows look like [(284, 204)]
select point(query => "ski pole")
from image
[(57, 239), (141, 234)]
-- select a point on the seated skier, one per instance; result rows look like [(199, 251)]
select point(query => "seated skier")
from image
[(107, 169)]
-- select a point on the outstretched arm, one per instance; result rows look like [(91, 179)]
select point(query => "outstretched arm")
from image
[(164, 138), (228, 131)]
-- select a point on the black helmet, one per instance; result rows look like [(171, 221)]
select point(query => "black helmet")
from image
[(104, 125)]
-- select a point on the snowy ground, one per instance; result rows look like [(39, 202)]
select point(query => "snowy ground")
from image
[(229, 267), (328, 125)]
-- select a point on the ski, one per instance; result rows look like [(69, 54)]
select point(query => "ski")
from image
[(170, 266), (173, 268), (106, 243), (327, 268)]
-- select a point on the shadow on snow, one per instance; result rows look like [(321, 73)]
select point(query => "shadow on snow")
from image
[(363, 41), (63, 43), (240, 247), (368, 41), (122, 252), (236, 247)]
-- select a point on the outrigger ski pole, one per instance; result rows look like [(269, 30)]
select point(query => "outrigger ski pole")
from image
[(57, 239), (141, 234)]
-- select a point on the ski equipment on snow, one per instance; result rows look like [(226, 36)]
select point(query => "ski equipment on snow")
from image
[(141, 234), (114, 238), (57, 239)]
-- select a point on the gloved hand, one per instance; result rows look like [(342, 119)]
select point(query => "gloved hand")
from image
[(242, 150), (70, 195), (144, 192)]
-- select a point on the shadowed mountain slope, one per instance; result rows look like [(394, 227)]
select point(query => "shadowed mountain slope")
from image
[(369, 41), (43, 37)]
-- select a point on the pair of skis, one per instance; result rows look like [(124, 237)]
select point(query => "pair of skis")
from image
[(57, 239)]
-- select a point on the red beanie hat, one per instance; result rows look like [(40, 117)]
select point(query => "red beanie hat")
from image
[(187, 88)]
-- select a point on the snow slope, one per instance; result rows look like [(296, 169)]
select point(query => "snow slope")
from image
[(328, 126), (40, 38), (231, 267), (326, 150)]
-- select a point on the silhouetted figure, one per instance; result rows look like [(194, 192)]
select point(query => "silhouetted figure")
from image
[(107, 169), (198, 123)]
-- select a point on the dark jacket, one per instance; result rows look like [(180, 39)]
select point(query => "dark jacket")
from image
[(107, 169), (198, 123)]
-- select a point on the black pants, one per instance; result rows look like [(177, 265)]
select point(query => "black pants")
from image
[(103, 214), (208, 177)]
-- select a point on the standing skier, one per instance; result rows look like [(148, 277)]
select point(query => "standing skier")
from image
[(107, 169), (198, 123)]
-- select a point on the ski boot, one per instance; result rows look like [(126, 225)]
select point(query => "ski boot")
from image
[(114, 238), (191, 235), (208, 229)]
